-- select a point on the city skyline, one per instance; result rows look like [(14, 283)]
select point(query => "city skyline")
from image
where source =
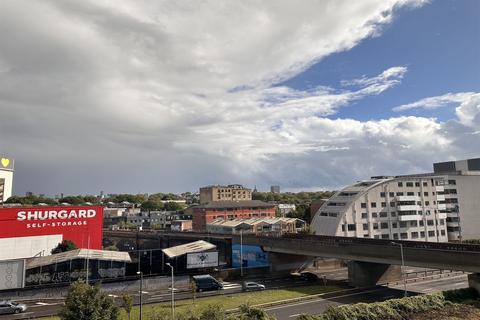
[(167, 97)]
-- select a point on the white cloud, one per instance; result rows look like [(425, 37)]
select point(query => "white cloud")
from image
[(147, 96), (468, 112), (436, 101)]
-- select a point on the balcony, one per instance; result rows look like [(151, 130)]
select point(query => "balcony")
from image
[(409, 217), (407, 198), (439, 188), (452, 214), (412, 207), (441, 206), (441, 215), (440, 197)]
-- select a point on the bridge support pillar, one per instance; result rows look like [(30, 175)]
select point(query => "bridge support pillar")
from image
[(474, 281), (364, 274)]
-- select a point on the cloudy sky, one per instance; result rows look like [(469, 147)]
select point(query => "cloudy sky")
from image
[(150, 96)]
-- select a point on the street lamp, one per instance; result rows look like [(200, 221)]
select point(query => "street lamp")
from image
[(173, 292), (140, 273), (403, 267)]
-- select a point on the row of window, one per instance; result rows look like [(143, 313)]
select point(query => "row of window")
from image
[(404, 235), (395, 225)]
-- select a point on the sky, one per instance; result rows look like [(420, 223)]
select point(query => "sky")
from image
[(167, 96)]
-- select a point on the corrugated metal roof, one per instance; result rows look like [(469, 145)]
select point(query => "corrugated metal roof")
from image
[(78, 254), (236, 204), (197, 246)]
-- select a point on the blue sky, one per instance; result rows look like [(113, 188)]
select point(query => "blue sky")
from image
[(168, 96), (439, 43)]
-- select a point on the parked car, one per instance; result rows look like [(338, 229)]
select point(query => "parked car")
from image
[(8, 307), (207, 282), (252, 286)]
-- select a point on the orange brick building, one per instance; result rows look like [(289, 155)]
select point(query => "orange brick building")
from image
[(229, 210)]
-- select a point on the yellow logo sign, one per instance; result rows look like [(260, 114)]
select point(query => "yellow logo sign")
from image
[(5, 162)]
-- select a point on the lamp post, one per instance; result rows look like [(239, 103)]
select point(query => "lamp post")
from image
[(403, 268), (141, 291), (173, 292)]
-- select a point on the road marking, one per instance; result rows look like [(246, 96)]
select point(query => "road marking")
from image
[(113, 296), (295, 315), (321, 299)]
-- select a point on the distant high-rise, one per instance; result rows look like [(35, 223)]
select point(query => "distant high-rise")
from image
[(6, 177), (275, 189)]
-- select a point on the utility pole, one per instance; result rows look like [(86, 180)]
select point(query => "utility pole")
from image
[(405, 293), (241, 253), (141, 292), (173, 292)]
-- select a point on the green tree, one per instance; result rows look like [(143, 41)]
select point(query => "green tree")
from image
[(75, 200), (65, 245), (85, 302), (173, 206), (152, 205), (249, 313), (127, 304)]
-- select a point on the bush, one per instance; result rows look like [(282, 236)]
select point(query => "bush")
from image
[(461, 295)]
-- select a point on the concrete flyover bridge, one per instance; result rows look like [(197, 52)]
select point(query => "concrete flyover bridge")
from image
[(373, 260)]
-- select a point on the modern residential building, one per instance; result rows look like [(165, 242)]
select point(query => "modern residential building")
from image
[(255, 226), (275, 189), (440, 206), (228, 210), (6, 178), (233, 192), (181, 225)]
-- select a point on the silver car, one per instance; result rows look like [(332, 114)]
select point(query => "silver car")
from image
[(251, 286), (8, 307)]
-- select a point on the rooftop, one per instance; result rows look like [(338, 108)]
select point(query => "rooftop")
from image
[(78, 254), (197, 246), (236, 204)]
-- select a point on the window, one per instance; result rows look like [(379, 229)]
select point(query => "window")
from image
[(409, 184), (383, 214), (400, 184), (343, 227), (403, 235), (373, 204), (431, 233), (427, 203), (425, 194), (385, 236), (413, 224), (384, 225), (393, 214), (384, 204), (365, 226), (392, 204), (399, 194), (414, 235), (363, 205), (375, 226), (352, 227), (442, 232), (382, 194), (376, 236), (395, 236), (452, 182), (364, 215), (429, 222), (374, 215), (410, 193), (421, 223), (422, 234), (391, 194), (403, 224), (442, 222), (394, 224), (417, 184)]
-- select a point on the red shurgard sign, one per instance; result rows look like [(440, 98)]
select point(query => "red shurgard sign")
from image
[(80, 224)]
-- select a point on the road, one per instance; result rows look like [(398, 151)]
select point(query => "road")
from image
[(282, 312), (316, 306)]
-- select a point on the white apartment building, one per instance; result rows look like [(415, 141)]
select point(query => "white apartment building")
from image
[(6, 178), (440, 206)]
